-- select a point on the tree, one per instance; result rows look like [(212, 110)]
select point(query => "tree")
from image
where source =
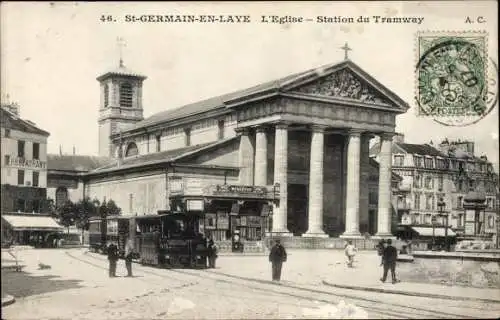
[(51, 208), (85, 209), (67, 214), (113, 209)]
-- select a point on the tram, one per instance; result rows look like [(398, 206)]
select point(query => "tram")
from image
[(102, 231), (167, 239)]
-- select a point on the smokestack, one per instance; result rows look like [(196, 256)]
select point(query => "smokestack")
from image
[(60, 150), (74, 150)]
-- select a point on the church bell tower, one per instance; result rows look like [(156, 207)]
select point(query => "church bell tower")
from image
[(121, 105)]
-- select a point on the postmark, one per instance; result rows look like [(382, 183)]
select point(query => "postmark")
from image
[(455, 81)]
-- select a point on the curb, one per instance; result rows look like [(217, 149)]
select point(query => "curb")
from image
[(8, 300), (409, 293)]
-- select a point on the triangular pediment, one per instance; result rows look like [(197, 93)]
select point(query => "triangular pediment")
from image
[(346, 82)]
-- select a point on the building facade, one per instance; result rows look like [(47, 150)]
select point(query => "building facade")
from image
[(24, 163), (293, 152), (447, 171)]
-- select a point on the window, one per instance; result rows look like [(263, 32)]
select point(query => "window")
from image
[(440, 183), (459, 202), (416, 182), (491, 222), (36, 178), (158, 143), (441, 164), (459, 220), (6, 160), (471, 184), (20, 205), (20, 149), (7, 133), (36, 151), (106, 95), (372, 198), (399, 160), (131, 150), (454, 164), (61, 196), (221, 129), (417, 201), (429, 163), (126, 93), (418, 161), (429, 182), (187, 133), (20, 177), (35, 205), (429, 202)]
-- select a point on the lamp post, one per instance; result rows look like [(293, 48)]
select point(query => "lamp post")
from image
[(441, 205), (433, 221)]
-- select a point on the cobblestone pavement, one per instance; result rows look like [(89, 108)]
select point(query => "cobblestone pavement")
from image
[(238, 288)]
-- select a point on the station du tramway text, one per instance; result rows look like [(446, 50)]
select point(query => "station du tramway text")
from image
[(273, 19)]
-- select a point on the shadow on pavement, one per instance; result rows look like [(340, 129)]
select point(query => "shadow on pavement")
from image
[(22, 284)]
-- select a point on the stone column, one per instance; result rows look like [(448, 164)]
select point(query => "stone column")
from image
[(384, 186), (315, 212), (245, 157), (280, 212), (260, 157), (352, 188)]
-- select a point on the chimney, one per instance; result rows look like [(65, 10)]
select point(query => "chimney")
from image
[(60, 150), (74, 150), (398, 138)]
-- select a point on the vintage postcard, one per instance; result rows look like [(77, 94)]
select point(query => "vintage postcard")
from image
[(249, 160)]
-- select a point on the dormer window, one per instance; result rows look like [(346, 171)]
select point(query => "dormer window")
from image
[(126, 93)]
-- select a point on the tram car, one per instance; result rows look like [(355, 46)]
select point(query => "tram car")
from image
[(102, 231), (171, 239)]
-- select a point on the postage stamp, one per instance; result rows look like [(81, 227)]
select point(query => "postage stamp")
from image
[(455, 81)]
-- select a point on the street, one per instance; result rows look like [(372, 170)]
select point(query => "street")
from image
[(77, 286)]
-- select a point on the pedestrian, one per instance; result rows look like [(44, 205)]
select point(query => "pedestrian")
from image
[(380, 251), (113, 258), (277, 256), (390, 257), (129, 252), (350, 252), (212, 253), (54, 242)]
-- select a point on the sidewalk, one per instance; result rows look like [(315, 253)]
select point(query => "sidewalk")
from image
[(327, 267)]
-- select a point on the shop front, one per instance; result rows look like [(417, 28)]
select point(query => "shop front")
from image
[(236, 217), (30, 229)]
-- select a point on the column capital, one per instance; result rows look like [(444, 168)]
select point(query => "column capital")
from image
[(282, 125), (261, 129), (355, 132), (318, 128), (369, 135), (387, 135), (242, 131)]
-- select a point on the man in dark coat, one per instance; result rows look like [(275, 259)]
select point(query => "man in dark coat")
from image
[(390, 257), (212, 253), (277, 256), (113, 258)]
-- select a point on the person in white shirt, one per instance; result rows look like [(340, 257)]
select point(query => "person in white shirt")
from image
[(350, 252), (129, 249)]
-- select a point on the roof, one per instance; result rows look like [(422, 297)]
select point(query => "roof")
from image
[(220, 102), (80, 163), (421, 149), (160, 157), (121, 71), (375, 164), (32, 222), (11, 121)]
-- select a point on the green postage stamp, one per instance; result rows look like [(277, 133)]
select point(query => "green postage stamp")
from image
[(453, 85)]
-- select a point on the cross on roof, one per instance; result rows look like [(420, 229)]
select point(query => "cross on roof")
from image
[(346, 50), (120, 42)]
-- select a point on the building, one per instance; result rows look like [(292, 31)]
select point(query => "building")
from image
[(24, 180), (24, 163), (286, 157), (448, 171)]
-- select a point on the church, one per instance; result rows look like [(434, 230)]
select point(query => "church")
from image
[(287, 158)]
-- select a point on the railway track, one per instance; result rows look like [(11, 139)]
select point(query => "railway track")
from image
[(378, 308)]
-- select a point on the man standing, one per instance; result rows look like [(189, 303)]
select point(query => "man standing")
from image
[(212, 253), (390, 256), (113, 258), (350, 252), (277, 256), (129, 250)]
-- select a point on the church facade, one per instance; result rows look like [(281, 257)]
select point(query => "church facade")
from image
[(294, 152)]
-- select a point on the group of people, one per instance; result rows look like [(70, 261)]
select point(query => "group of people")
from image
[(114, 255)]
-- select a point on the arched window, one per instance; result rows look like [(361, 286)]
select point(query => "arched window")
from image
[(106, 95), (61, 196), (131, 150), (126, 93)]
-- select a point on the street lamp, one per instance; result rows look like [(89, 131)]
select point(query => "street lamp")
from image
[(433, 221), (441, 205)]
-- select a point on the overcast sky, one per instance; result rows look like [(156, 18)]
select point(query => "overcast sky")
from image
[(52, 53)]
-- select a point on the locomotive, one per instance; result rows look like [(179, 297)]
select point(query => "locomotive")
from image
[(167, 239)]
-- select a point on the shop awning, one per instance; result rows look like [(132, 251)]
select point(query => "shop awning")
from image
[(31, 223), (438, 232)]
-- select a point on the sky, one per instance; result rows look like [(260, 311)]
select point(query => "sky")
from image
[(51, 54)]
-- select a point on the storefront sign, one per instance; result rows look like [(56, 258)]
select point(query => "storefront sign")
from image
[(240, 190), (27, 163), (195, 205)]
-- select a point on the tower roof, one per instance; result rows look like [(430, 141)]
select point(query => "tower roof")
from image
[(121, 71)]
